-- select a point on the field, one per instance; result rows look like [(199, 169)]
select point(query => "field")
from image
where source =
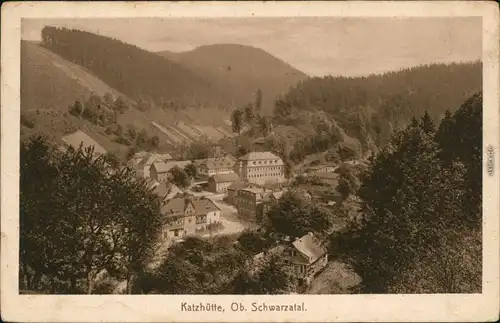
[(50, 84)]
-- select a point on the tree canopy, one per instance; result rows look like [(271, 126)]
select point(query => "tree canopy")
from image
[(295, 216), (101, 219), (422, 210)]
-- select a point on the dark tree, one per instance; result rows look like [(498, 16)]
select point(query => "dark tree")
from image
[(415, 218), (237, 120), (94, 224), (295, 216), (253, 242), (155, 141), (180, 177), (131, 133), (258, 101), (191, 170), (427, 124)]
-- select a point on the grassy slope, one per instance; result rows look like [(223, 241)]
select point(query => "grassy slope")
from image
[(50, 84)]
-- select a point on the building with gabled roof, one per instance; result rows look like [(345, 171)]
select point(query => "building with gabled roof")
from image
[(160, 171), (187, 215), (326, 177), (215, 165), (80, 138), (308, 255), (142, 161), (322, 168), (232, 190), (219, 183), (251, 202), (166, 190), (261, 167)]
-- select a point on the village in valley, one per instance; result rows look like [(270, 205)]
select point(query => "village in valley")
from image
[(224, 195)]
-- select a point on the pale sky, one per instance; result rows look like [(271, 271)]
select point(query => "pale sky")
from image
[(316, 46)]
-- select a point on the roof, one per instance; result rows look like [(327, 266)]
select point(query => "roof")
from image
[(216, 163), (203, 206), (255, 190), (312, 168), (310, 246), (176, 206), (152, 183), (151, 158), (259, 155), (224, 178), (267, 196), (163, 167), (324, 175), (238, 185), (164, 188), (81, 138), (140, 154), (277, 195)]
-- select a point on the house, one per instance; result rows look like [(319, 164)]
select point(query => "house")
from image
[(166, 191), (160, 171), (323, 168), (308, 256), (142, 161), (80, 138), (137, 158), (207, 213), (219, 183), (216, 165), (261, 168), (247, 202), (180, 218), (269, 200), (185, 216), (232, 190), (326, 178)]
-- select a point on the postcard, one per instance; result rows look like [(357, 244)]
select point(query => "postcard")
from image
[(250, 161)]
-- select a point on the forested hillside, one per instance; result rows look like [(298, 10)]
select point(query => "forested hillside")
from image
[(147, 78), (343, 117), (239, 71), (370, 108), (420, 229)]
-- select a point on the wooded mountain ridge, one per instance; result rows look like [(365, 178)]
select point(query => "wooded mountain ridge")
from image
[(173, 90), (209, 76), (369, 109)]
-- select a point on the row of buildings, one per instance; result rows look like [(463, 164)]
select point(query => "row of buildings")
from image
[(221, 170)]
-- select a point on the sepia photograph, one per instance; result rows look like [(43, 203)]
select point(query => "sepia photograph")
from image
[(277, 160)]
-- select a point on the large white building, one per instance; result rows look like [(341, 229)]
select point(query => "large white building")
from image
[(261, 168)]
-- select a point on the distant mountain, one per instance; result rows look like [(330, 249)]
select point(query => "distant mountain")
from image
[(139, 74), (239, 71)]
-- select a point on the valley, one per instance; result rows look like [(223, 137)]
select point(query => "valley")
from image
[(231, 165)]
